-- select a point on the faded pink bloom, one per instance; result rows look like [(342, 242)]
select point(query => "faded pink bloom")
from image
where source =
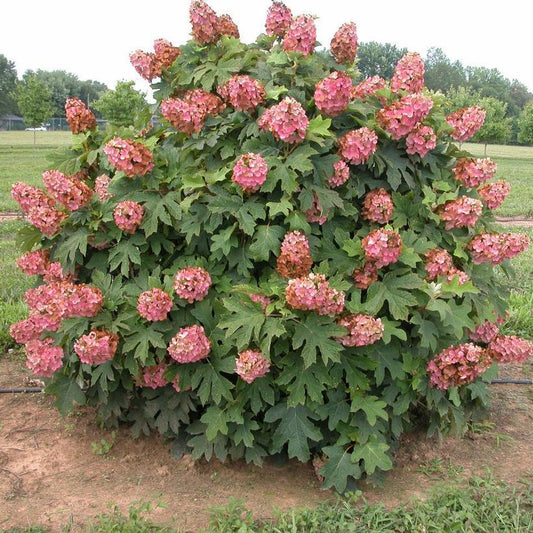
[(341, 174), (315, 213), (497, 247), (295, 257), (438, 263), (510, 349), (54, 272), (165, 53), (473, 172), (189, 345), (466, 122), (333, 93), (154, 304), (382, 247), (365, 276), (243, 92), (34, 263), (287, 121), (420, 140), (344, 43), (279, 18), (79, 118), (251, 364), (192, 284), (401, 117), (457, 365), (358, 145), (43, 358), (130, 157), (250, 172), (461, 276), (128, 216), (313, 293), (486, 331), (493, 194), (408, 74), (101, 184), (260, 299), (362, 330), (205, 27), (460, 213), (226, 26), (25, 331), (146, 64), (378, 206), (69, 191), (153, 376), (96, 347), (368, 87), (301, 35)]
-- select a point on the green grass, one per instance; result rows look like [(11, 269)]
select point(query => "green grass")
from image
[(13, 283), (515, 164), (20, 160), (483, 506)]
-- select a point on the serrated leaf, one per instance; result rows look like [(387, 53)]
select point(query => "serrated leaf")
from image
[(215, 420), (74, 244), (295, 429), (266, 239), (300, 159), (210, 384), (122, 255), (374, 454), (335, 409), (67, 392), (338, 468), (372, 406), (244, 323), (143, 340)]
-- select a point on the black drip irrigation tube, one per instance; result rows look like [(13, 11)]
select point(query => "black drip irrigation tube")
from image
[(18, 390)]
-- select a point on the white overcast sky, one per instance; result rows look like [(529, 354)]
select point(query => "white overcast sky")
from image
[(93, 38)]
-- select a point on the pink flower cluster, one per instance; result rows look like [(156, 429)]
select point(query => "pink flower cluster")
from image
[(409, 74), (101, 184), (96, 347), (438, 263), (295, 258), (188, 114), (313, 293), (43, 358), (510, 349), (378, 206), (461, 212), (365, 276), (493, 194), (79, 118), (251, 364), (473, 172), (344, 43), (421, 140), (260, 299), (466, 122), (301, 35), (39, 208), (341, 174), (130, 157), (279, 18), (192, 284), (362, 330), (69, 191), (37, 263), (333, 93), (204, 21), (368, 87), (457, 365), (401, 117), (154, 304), (382, 247), (250, 172), (315, 213), (287, 121), (243, 92), (358, 145), (153, 376), (189, 345), (486, 331), (128, 216), (150, 65), (226, 26), (497, 247)]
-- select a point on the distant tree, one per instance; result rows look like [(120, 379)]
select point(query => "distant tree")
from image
[(497, 126), (122, 105), (489, 82), (34, 101), (441, 74), (519, 96), (378, 59), (525, 124), (460, 97), (8, 85)]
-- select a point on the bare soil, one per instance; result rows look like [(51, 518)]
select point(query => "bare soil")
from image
[(50, 474)]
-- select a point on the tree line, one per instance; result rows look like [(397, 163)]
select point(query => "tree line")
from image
[(509, 103)]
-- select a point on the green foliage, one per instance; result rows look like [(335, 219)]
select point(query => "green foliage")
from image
[(497, 127), (525, 124), (34, 101), (319, 398), (122, 105), (8, 86)]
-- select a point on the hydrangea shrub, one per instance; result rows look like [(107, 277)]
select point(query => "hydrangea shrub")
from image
[(284, 258)]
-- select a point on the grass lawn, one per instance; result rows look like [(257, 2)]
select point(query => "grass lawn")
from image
[(21, 160), (515, 164)]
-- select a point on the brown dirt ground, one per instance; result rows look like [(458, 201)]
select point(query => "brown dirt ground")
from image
[(50, 475)]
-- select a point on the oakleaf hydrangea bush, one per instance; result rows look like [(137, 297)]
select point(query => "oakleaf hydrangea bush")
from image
[(282, 258)]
